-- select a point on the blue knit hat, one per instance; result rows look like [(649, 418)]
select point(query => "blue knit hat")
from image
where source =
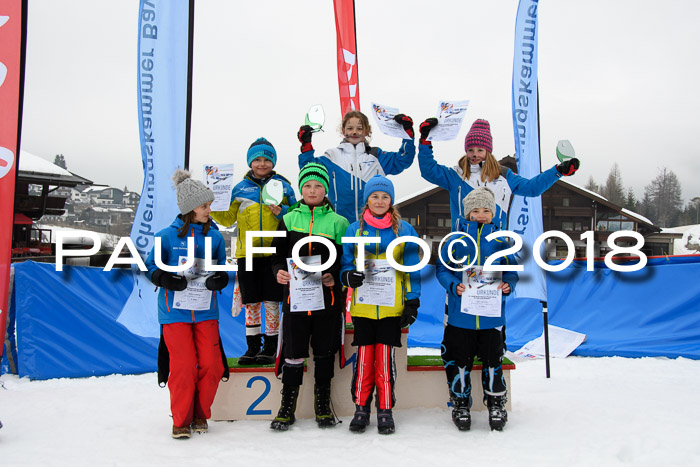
[(262, 148), (379, 183)]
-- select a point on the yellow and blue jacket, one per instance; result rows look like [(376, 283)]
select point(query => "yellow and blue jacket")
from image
[(248, 209), (407, 284)]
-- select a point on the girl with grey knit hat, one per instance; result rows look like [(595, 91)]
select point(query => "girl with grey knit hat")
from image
[(471, 332), (189, 331)]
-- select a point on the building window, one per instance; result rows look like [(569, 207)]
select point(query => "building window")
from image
[(565, 202), (441, 222), (567, 226)]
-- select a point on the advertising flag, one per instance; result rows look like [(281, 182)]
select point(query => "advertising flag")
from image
[(348, 79), (12, 39), (525, 215), (163, 80)]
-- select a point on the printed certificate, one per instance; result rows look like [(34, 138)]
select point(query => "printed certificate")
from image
[(305, 288), (379, 286), (482, 296)]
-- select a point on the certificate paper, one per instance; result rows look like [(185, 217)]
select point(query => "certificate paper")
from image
[(482, 296), (450, 115), (305, 288), (219, 177), (196, 296), (379, 287), (384, 116)]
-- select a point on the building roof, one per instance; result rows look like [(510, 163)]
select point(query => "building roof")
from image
[(34, 169)]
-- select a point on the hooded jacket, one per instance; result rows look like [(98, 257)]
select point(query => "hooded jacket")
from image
[(172, 248)]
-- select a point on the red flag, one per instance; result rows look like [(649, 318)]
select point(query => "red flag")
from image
[(11, 16), (348, 78)]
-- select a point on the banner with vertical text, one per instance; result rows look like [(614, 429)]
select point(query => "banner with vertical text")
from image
[(163, 54), (525, 215), (11, 44), (348, 78)]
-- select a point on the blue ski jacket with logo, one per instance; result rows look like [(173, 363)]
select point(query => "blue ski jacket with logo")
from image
[(451, 279), (350, 168), (452, 180), (172, 248)]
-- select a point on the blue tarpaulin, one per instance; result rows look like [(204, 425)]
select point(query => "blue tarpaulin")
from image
[(66, 322)]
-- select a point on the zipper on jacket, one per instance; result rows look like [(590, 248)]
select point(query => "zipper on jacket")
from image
[(311, 229), (335, 191), (459, 200), (260, 202), (167, 305)]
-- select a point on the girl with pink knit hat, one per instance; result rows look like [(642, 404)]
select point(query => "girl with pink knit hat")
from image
[(478, 167)]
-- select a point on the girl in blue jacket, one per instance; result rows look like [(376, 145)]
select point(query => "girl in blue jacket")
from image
[(188, 309), (354, 162), (378, 323), (469, 333), (478, 167)]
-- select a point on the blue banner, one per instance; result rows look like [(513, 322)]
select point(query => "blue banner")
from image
[(163, 53), (525, 216)]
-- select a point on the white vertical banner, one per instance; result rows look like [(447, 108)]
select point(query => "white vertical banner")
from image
[(525, 215), (163, 61)]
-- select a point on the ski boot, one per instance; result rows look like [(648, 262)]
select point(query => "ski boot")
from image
[(460, 414), (385, 422), (360, 420), (285, 416), (249, 357), (269, 351), (322, 405), (497, 412)]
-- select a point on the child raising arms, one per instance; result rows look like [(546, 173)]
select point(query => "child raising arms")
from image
[(354, 161)]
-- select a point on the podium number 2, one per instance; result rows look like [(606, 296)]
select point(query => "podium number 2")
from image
[(252, 409)]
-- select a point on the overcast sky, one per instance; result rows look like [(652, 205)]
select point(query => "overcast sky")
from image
[(617, 78)]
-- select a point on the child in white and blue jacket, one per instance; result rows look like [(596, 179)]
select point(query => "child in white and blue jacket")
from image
[(191, 336), (353, 163), (467, 335)]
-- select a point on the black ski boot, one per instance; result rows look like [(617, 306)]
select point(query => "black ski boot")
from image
[(269, 351), (385, 422), (497, 412), (248, 358), (285, 416), (322, 405), (360, 420), (460, 414)]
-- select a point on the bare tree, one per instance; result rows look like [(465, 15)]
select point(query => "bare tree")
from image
[(664, 194)]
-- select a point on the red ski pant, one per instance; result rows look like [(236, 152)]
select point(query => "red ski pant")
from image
[(375, 368), (195, 369)]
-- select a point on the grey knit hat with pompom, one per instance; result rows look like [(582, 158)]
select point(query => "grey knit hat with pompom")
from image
[(190, 193), (481, 197)]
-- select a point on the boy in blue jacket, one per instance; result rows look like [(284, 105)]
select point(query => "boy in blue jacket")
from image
[(474, 333)]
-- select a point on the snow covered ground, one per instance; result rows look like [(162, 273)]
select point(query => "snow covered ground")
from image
[(593, 411)]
